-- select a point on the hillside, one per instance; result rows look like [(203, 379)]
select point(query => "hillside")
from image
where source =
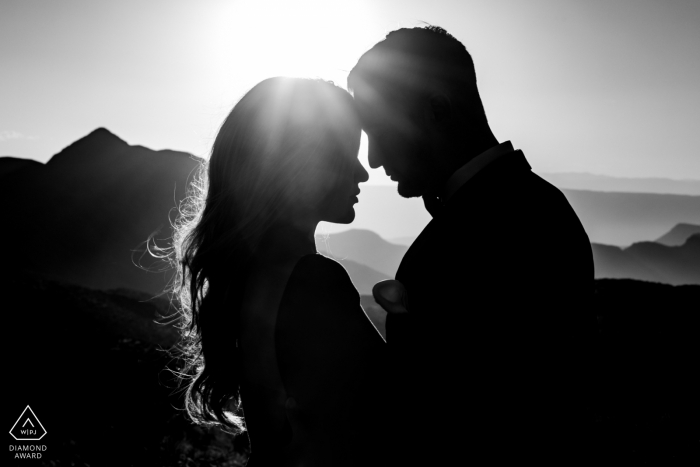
[(625, 218), (646, 261), (678, 234), (382, 210), (14, 166), (110, 392), (650, 261), (610, 218), (405, 241), (363, 277), (364, 247), (84, 216), (591, 182), (92, 365)]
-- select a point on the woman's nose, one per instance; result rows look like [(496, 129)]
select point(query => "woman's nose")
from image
[(361, 174)]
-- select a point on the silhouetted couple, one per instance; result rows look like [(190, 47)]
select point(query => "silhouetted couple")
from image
[(488, 327)]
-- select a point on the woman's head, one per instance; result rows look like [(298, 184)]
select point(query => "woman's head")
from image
[(285, 155), (288, 151)]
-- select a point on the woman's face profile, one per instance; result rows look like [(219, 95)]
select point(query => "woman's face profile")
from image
[(340, 173)]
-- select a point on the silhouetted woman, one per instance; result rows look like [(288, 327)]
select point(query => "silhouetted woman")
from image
[(267, 319)]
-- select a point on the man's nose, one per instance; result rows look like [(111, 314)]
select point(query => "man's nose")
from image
[(374, 155)]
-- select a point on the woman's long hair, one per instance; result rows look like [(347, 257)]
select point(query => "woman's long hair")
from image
[(257, 164)]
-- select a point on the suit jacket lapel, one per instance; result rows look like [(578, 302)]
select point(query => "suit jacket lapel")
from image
[(507, 163), (460, 201)]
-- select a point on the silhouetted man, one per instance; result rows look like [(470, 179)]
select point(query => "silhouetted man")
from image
[(490, 360)]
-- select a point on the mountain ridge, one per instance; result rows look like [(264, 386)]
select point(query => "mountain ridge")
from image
[(13, 165), (650, 261), (365, 247), (678, 234), (97, 140), (85, 215), (608, 218), (606, 183)]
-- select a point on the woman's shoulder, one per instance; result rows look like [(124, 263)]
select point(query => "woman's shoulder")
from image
[(322, 266), (319, 260), (320, 276)]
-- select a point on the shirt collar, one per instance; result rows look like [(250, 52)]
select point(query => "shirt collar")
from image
[(471, 168)]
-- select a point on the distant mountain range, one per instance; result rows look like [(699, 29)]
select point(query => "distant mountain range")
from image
[(405, 241), (84, 217), (362, 276), (364, 247), (609, 218), (649, 261), (590, 182), (625, 218), (679, 234)]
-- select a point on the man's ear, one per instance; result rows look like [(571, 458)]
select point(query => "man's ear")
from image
[(441, 108)]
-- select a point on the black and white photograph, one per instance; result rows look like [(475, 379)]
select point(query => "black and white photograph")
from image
[(344, 233)]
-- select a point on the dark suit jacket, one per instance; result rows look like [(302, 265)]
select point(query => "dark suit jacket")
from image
[(491, 360)]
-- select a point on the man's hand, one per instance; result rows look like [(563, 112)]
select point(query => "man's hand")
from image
[(391, 295)]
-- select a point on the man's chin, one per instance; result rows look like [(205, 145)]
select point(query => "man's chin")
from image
[(408, 190)]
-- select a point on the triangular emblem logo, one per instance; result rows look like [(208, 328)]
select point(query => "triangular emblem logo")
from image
[(27, 427)]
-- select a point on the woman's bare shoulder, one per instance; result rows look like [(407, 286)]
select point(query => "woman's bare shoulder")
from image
[(318, 272)]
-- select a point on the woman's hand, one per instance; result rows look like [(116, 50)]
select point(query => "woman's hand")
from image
[(391, 295)]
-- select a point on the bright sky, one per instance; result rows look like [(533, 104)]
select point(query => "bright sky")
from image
[(603, 86)]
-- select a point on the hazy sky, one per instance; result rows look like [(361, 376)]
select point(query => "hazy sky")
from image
[(602, 86)]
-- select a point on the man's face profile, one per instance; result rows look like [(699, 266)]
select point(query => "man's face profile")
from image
[(396, 141)]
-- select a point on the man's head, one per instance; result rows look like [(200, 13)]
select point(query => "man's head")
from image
[(417, 98)]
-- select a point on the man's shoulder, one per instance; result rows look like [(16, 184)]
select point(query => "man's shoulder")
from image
[(508, 189), (537, 186), (518, 205)]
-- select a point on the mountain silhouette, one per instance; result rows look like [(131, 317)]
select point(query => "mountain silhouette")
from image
[(84, 216), (650, 261), (362, 276), (406, 241), (609, 218), (647, 261), (678, 235), (364, 247), (591, 182), (625, 218), (382, 210), (14, 165)]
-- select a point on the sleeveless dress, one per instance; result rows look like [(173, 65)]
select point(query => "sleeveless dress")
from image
[(332, 361)]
